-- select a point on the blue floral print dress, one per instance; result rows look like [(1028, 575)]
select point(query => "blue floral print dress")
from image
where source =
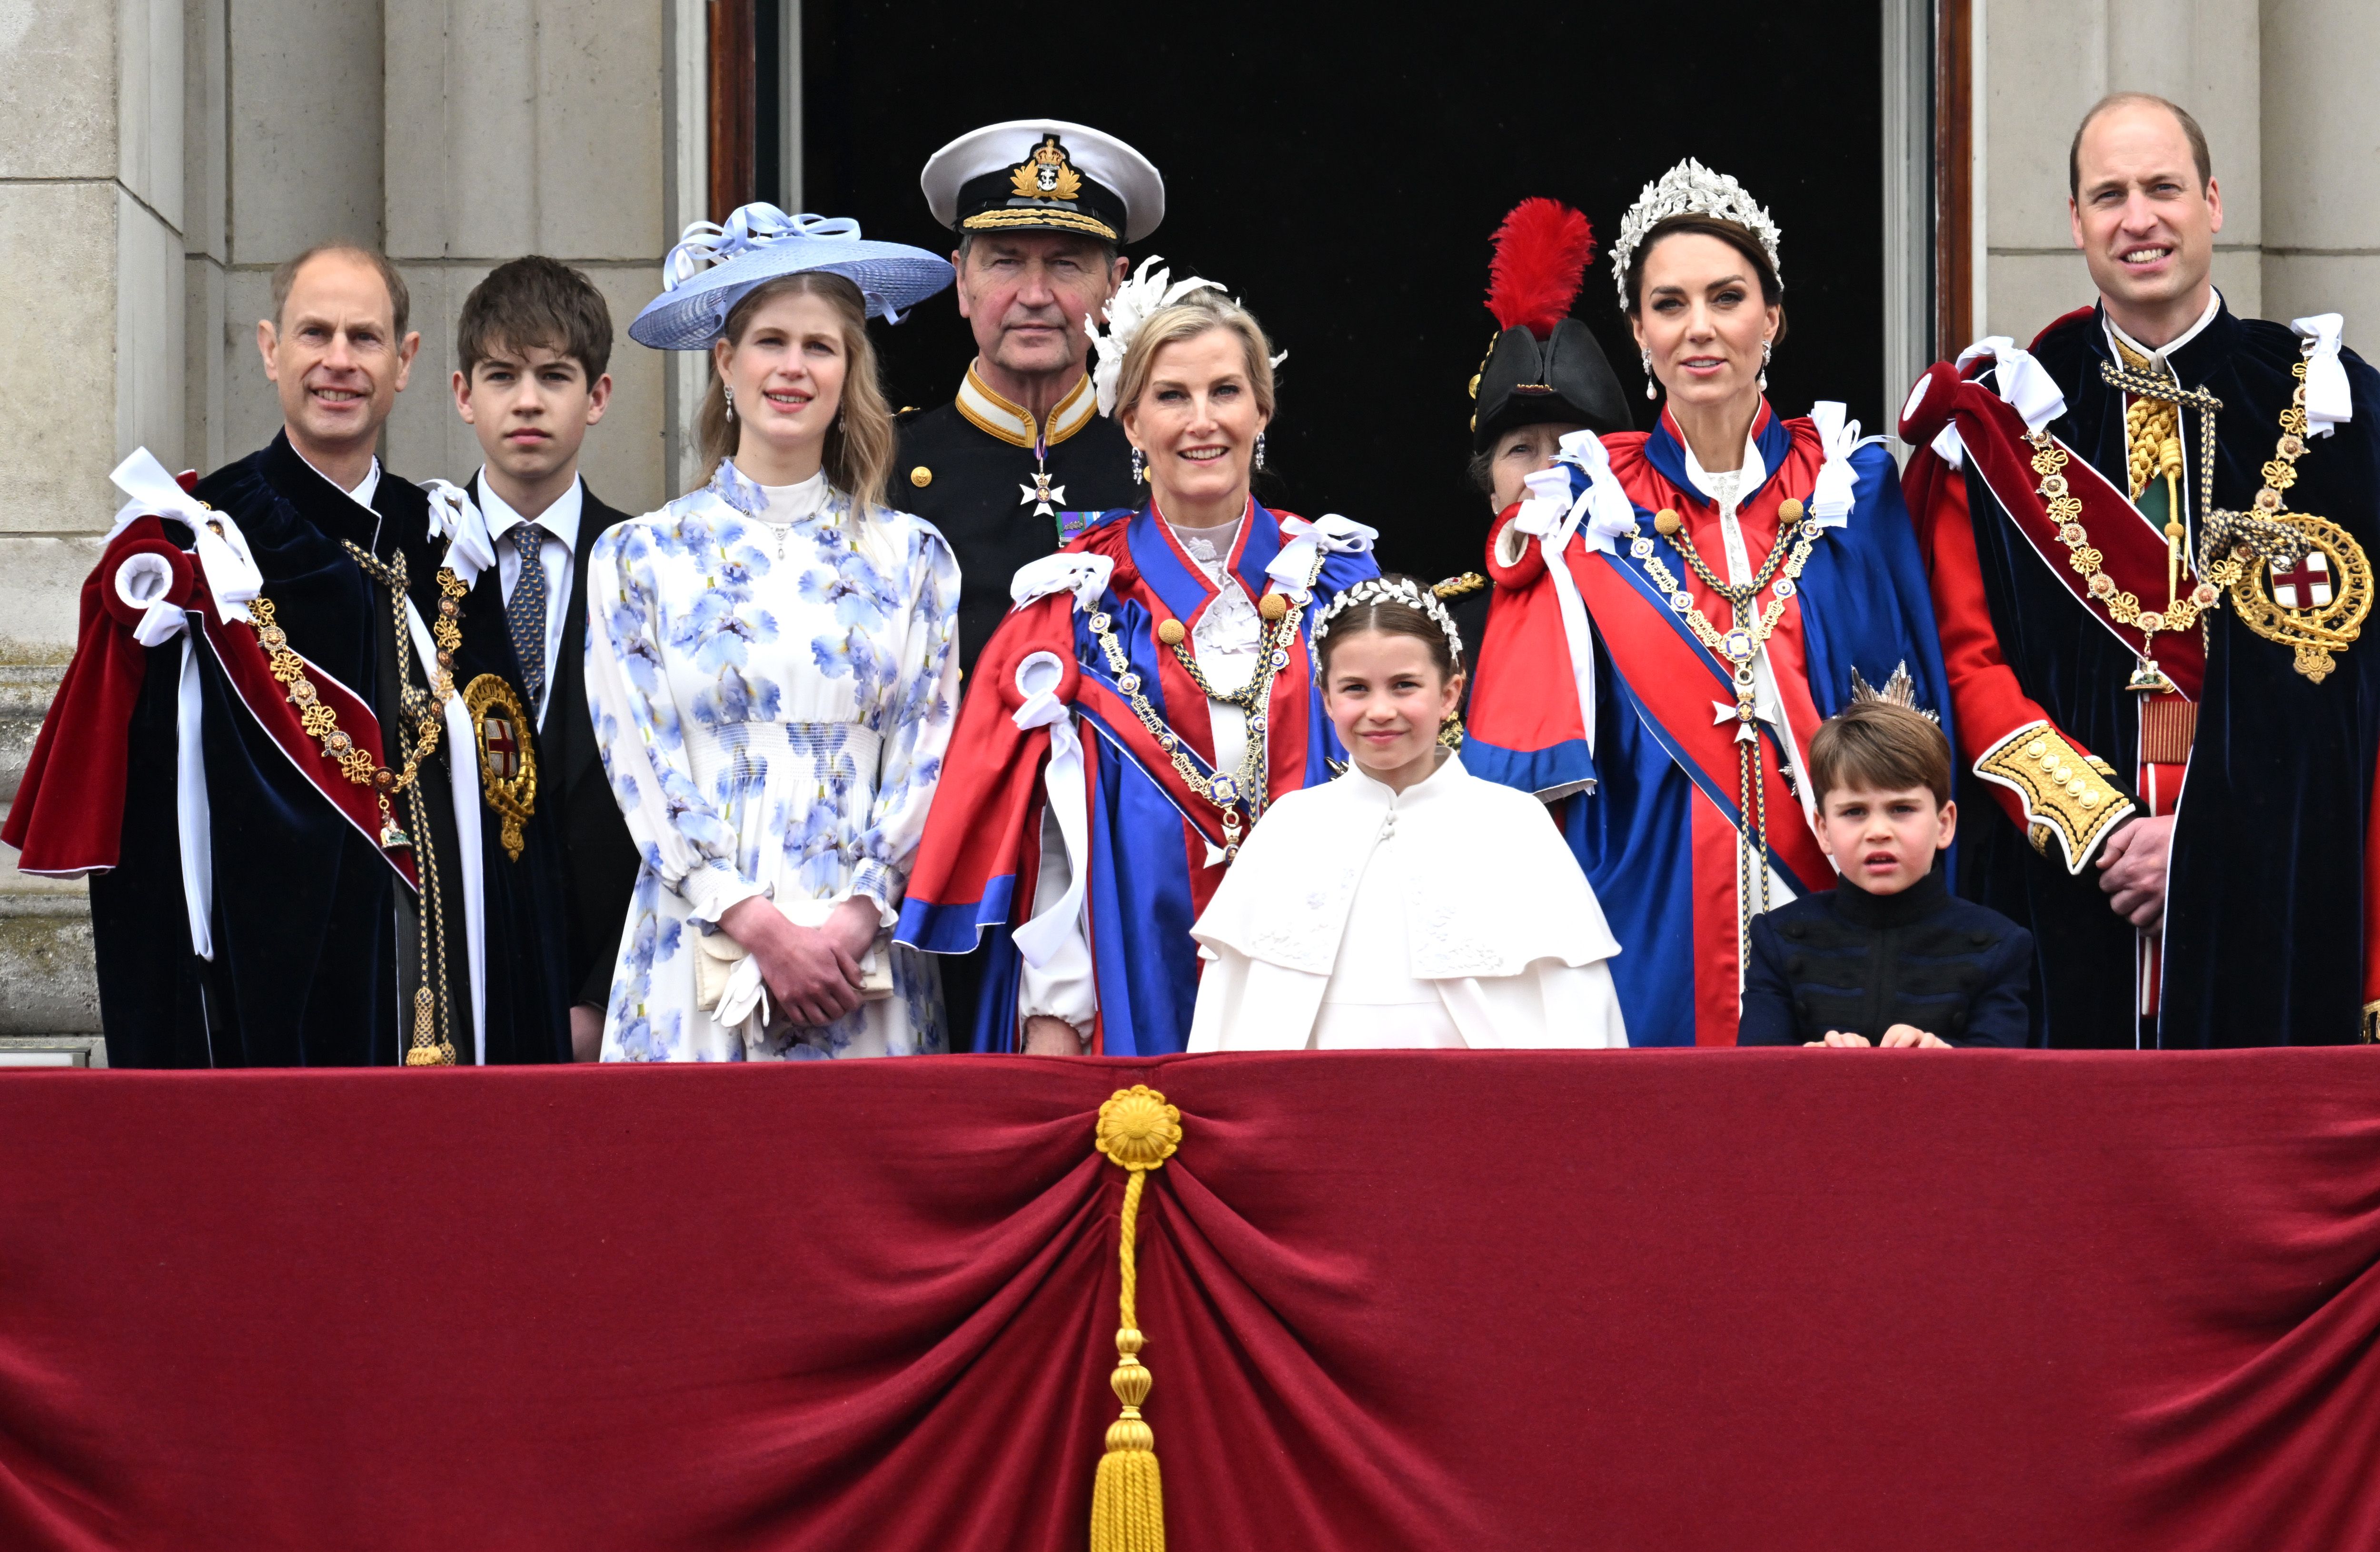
[(772, 685)]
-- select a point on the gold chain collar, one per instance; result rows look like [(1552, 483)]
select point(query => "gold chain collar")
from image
[(2237, 549), (428, 1048), (1227, 792)]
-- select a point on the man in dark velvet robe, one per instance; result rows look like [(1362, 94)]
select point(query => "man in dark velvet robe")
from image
[(318, 956), (2102, 647)]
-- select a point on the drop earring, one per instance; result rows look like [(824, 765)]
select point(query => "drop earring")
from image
[(731, 405), (1257, 462), (1764, 365), (1650, 392), (1138, 477)]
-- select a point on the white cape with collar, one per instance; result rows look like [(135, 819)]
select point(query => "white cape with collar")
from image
[(1498, 916)]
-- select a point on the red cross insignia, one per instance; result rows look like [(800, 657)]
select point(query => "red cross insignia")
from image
[(2305, 585), (503, 749), (508, 767)]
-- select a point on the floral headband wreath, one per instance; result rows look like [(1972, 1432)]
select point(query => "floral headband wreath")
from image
[(1150, 291), (1391, 590)]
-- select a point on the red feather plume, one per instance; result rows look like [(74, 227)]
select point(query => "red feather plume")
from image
[(1542, 252)]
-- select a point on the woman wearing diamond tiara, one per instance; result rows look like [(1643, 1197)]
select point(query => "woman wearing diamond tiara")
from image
[(1359, 917), (1141, 709), (1724, 583), (771, 671)]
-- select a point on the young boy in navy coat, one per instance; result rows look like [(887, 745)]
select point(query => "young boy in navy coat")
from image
[(1888, 957)]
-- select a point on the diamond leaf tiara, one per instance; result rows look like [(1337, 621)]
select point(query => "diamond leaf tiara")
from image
[(1691, 188)]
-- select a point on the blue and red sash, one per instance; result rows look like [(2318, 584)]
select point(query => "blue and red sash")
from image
[(1149, 831), (1658, 833)]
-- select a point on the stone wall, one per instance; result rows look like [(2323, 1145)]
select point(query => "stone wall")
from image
[(158, 158)]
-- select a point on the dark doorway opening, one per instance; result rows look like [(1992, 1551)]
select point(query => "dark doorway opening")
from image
[(1341, 168)]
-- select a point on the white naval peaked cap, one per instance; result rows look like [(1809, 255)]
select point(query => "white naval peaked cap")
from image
[(1044, 175)]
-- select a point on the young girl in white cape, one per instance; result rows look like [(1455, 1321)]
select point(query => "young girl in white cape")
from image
[(1408, 902)]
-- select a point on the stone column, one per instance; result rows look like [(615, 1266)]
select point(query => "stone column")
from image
[(91, 367), (2045, 62), (2322, 164), (520, 126)]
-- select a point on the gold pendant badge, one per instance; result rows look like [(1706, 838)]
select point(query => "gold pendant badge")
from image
[(2308, 585), (507, 767), (2316, 603), (1045, 174)]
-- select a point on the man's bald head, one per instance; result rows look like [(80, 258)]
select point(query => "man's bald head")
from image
[(2136, 100), (285, 276)]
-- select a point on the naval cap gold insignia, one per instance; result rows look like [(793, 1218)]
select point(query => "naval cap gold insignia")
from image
[(1047, 172)]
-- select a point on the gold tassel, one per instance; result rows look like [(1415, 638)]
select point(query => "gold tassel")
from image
[(1138, 1131)]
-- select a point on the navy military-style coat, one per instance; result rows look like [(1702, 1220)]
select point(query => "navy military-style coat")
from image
[(1859, 962)]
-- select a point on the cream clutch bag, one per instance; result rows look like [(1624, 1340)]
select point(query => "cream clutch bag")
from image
[(718, 956)]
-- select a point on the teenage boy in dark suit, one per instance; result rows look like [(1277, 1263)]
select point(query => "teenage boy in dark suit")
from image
[(532, 344)]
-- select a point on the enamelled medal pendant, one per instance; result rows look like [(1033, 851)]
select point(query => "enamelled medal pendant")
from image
[(1043, 497), (1738, 647)]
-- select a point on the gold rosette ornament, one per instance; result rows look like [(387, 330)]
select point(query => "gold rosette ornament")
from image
[(1138, 1132)]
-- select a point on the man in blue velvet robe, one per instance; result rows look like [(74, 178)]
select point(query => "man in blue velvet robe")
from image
[(317, 955), (2150, 539)]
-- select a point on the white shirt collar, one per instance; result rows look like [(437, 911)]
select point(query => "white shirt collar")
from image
[(1445, 775), (365, 489), (561, 519), (1748, 478), (2158, 357)]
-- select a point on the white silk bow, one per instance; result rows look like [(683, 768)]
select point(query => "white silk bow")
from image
[(1338, 536), (1830, 499), (1086, 576), (705, 243), (2024, 383), (1552, 516), (223, 556), (145, 581), (2328, 402), (1068, 793), (1602, 511), (456, 518)]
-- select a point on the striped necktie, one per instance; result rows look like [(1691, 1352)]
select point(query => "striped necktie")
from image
[(526, 610)]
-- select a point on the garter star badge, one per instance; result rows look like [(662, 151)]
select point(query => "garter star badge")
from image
[(507, 767)]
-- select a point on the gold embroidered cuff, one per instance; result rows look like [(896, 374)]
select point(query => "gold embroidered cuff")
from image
[(2067, 794)]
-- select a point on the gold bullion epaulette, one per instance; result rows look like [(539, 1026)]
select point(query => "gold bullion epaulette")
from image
[(1460, 587), (2066, 793)]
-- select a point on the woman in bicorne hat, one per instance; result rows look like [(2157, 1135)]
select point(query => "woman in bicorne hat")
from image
[(770, 668), (1543, 378), (1136, 714), (1706, 594)]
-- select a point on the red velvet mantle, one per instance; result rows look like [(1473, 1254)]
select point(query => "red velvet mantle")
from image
[(1644, 1300)]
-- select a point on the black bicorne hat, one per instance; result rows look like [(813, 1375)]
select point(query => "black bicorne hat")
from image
[(1526, 381), (1544, 366)]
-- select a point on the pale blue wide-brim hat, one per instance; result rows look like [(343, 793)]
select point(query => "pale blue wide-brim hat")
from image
[(714, 266)]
